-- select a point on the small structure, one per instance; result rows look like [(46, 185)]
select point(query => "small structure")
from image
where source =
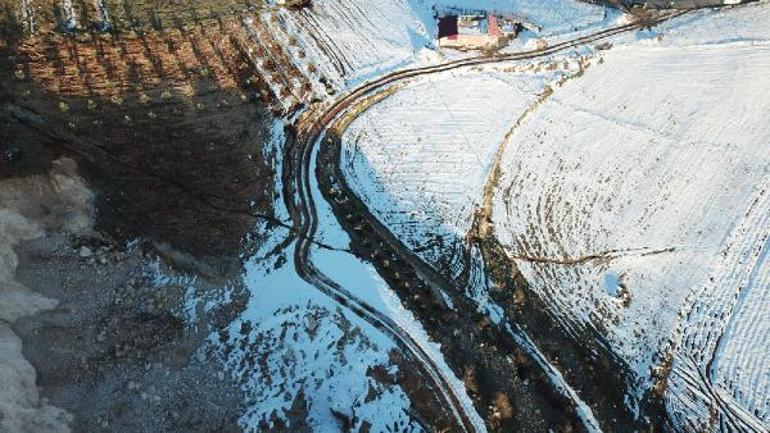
[(680, 4), (294, 4), (476, 31)]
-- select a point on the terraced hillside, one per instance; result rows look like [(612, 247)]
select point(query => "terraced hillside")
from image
[(420, 157), (631, 198), (640, 209), (235, 52), (251, 216)]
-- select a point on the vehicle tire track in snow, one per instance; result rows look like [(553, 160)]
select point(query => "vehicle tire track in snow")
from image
[(466, 420), (734, 303), (311, 134)]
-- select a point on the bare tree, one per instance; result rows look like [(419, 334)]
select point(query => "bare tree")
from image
[(69, 18), (103, 21), (28, 16)]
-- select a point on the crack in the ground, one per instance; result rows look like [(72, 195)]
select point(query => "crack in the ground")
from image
[(598, 257)]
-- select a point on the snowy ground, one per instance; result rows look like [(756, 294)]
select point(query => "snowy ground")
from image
[(350, 41), (420, 158), (300, 348), (283, 337), (635, 200), (294, 346)]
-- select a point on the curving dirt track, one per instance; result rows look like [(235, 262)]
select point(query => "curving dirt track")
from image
[(312, 133)]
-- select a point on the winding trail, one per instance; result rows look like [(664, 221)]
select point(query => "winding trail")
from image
[(312, 133)]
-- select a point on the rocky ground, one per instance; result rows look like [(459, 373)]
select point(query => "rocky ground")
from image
[(106, 205), (123, 196), (115, 352)]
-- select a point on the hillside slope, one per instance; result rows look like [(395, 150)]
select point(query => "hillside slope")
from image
[(635, 202)]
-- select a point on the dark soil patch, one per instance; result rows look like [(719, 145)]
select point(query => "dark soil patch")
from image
[(116, 353), (187, 173), (585, 360)]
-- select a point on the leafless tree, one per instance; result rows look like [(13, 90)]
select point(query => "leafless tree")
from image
[(69, 17), (103, 16), (28, 16)]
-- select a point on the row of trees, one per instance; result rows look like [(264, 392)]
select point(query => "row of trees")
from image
[(73, 16), (134, 15)]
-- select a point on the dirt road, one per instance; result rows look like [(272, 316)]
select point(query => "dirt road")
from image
[(314, 133)]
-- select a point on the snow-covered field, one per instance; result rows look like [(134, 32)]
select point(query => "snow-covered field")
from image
[(419, 159), (635, 201), (350, 41)]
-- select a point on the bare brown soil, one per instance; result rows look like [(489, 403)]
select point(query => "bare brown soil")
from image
[(179, 170)]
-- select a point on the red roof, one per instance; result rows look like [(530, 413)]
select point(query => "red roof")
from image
[(493, 26)]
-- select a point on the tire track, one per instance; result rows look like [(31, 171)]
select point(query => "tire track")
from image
[(311, 134)]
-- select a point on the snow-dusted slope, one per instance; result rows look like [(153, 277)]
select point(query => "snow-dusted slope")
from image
[(635, 202), (349, 41), (552, 17), (304, 357), (723, 366), (420, 158), (293, 347), (300, 355), (352, 40)]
